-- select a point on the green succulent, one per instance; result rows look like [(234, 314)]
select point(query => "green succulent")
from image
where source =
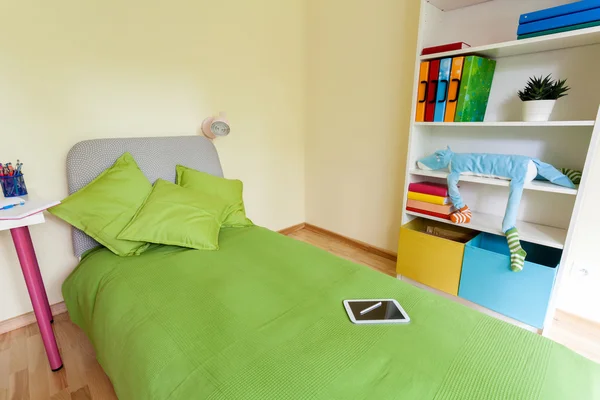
[(544, 89)]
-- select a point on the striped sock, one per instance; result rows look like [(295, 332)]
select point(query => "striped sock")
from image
[(573, 175), (462, 216), (517, 254)]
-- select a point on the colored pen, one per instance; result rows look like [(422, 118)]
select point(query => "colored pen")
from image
[(9, 206), (374, 306)]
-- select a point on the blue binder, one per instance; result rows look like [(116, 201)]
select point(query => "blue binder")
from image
[(560, 22), (442, 90), (571, 8)]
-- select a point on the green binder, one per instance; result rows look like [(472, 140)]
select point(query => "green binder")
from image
[(478, 73)]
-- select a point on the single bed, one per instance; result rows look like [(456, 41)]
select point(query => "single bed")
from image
[(262, 318)]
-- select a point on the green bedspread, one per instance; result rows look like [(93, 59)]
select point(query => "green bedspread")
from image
[(262, 319)]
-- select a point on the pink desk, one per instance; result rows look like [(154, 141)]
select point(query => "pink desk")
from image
[(19, 229)]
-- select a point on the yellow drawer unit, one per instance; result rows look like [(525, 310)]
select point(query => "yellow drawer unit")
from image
[(431, 253)]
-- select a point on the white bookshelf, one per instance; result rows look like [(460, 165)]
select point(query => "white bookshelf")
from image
[(449, 5), (549, 214)]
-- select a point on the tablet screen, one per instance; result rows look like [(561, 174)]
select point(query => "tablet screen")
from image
[(375, 310)]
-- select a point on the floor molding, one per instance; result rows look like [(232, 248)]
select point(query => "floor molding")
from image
[(29, 318), (292, 229), (354, 243)]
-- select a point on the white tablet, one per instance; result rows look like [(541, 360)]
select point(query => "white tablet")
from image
[(376, 311)]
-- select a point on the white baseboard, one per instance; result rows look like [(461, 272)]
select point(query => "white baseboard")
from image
[(29, 318)]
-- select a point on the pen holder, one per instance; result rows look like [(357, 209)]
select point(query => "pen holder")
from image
[(13, 186)]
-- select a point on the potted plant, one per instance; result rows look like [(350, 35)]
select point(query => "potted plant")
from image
[(540, 95)]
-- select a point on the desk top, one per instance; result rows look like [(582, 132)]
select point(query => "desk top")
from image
[(28, 214), (33, 205)]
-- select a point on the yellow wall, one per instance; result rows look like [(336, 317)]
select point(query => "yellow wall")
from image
[(360, 72), (72, 70), (334, 76)]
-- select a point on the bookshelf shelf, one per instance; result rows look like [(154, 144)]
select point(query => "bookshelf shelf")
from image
[(509, 124), (529, 232), (535, 185), (449, 5), (565, 40)]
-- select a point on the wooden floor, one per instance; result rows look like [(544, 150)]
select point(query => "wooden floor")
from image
[(25, 374), (346, 251), (24, 371)]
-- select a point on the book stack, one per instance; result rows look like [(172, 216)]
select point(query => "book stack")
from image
[(429, 198), (569, 17)]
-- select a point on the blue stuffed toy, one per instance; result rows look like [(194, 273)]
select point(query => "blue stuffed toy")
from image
[(518, 169)]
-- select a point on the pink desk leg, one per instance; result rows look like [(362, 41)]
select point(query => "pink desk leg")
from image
[(37, 293), (26, 238), (35, 270)]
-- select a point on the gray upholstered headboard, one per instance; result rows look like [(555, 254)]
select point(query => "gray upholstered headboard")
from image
[(156, 157)]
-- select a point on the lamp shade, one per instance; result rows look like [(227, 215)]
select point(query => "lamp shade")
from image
[(213, 127)]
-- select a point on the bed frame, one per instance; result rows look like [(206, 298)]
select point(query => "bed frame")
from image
[(156, 157)]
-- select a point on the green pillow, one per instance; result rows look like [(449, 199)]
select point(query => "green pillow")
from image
[(177, 216), (229, 190), (105, 205)]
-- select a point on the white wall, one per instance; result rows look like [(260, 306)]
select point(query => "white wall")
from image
[(73, 70), (360, 75)]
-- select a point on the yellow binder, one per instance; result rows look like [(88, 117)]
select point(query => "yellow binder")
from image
[(422, 91), (429, 198), (455, 77)]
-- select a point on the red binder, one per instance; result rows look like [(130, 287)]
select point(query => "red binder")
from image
[(445, 47), (432, 86)]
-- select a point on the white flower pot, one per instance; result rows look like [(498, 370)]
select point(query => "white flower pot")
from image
[(537, 110)]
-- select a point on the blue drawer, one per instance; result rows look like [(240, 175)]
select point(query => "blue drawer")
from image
[(486, 278)]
